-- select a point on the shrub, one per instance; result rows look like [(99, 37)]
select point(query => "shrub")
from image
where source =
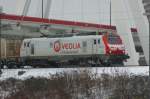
[(78, 85)]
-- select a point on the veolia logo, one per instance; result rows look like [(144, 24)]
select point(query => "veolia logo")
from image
[(57, 46), (66, 46)]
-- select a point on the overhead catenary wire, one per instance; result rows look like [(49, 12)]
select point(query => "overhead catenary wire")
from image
[(42, 8)]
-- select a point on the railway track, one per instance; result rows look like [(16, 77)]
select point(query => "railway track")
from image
[(66, 66), (80, 68)]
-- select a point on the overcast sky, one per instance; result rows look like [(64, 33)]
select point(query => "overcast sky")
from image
[(125, 14)]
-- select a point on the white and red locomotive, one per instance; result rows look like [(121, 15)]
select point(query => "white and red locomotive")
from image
[(80, 50)]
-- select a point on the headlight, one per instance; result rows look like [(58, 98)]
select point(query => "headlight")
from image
[(110, 51)]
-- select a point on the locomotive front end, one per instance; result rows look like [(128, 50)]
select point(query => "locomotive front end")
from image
[(114, 48), (115, 45)]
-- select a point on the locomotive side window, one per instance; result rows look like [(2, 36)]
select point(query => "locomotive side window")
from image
[(28, 44), (98, 41), (32, 48), (24, 44), (94, 41)]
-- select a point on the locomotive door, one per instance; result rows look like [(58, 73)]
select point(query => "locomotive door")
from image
[(94, 47), (28, 49), (99, 47), (32, 49)]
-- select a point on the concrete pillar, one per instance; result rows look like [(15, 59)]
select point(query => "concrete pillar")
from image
[(20, 4), (26, 7), (47, 9), (141, 24)]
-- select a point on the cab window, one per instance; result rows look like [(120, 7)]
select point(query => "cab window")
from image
[(28, 44), (24, 44), (98, 41)]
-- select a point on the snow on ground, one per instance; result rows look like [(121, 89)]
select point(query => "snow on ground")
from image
[(46, 72)]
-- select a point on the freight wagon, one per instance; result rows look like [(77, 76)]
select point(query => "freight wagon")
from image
[(10, 51)]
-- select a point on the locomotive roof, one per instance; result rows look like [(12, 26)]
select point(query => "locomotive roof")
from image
[(72, 37)]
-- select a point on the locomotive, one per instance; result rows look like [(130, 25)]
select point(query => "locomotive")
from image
[(86, 50)]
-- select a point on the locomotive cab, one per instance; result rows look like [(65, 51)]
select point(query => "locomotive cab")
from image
[(113, 44), (114, 47)]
